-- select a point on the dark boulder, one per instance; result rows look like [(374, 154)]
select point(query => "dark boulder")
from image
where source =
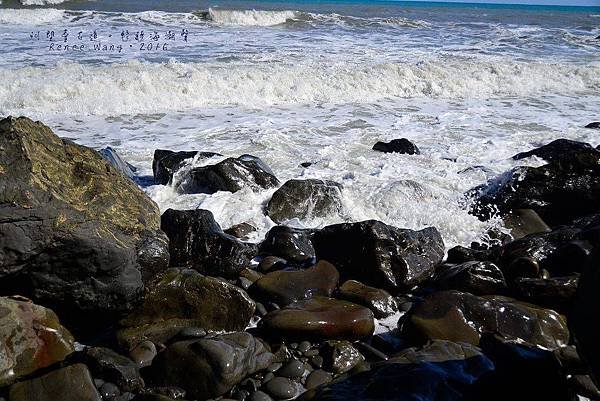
[(379, 301), (479, 278), (228, 175), (210, 367), (463, 317), (555, 292), (197, 241), (557, 149), (186, 299), (112, 367), (441, 371), (380, 255), (241, 231), (320, 318), (340, 356), (31, 338), (401, 145), (305, 200), (292, 244), (167, 162), (561, 191), (284, 287), (72, 227), (72, 383), (522, 222), (594, 124)]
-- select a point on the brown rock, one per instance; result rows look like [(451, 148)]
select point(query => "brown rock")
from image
[(321, 318), (381, 303)]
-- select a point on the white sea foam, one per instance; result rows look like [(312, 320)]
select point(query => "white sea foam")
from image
[(136, 87), (29, 16), (250, 17), (41, 2)]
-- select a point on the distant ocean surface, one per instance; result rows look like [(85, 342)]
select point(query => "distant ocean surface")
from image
[(306, 81)]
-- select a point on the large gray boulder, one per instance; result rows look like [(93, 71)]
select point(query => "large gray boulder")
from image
[(74, 231)]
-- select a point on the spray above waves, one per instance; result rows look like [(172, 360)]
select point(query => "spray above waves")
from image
[(136, 87), (250, 17)]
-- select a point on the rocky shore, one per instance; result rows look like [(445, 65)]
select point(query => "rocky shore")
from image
[(104, 298)]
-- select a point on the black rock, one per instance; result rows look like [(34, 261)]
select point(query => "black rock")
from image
[(197, 241), (463, 317), (594, 124), (557, 149), (73, 229), (281, 388), (209, 367), (111, 367), (167, 162), (228, 175), (401, 145), (305, 199), (522, 222), (380, 255), (556, 292), (561, 191), (441, 371), (291, 244), (241, 230), (479, 278)]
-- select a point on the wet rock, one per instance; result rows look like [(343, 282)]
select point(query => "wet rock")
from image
[(594, 124), (340, 356), (109, 391), (284, 287), (379, 301), (270, 263), (197, 241), (113, 158), (241, 230), (555, 292), (401, 145), (440, 371), (564, 189), (559, 252), (321, 318), (556, 150), (31, 338), (585, 328), (153, 254), (210, 367), (260, 396), (292, 369), (185, 298), (111, 367), (143, 354), (318, 378), (380, 255), (281, 388), (584, 385), (460, 254), (291, 244), (305, 200), (479, 278), (463, 317), (72, 383), (167, 162), (522, 222), (228, 175), (71, 226)]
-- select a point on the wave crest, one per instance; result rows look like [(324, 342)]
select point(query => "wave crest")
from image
[(250, 17), (136, 87)]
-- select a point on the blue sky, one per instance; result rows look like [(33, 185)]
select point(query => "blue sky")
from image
[(595, 3)]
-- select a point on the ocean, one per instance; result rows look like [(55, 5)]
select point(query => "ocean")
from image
[(311, 81)]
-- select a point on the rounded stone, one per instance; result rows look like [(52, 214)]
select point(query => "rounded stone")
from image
[(192, 332), (304, 346), (260, 396), (292, 369), (109, 390), (143, 354), (317, 361), (274, 367), (317, 378), (281, 388)]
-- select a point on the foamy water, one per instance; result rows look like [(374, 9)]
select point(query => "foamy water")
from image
[(321, 84)]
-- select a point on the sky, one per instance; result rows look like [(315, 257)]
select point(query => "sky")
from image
[(595, 3)]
